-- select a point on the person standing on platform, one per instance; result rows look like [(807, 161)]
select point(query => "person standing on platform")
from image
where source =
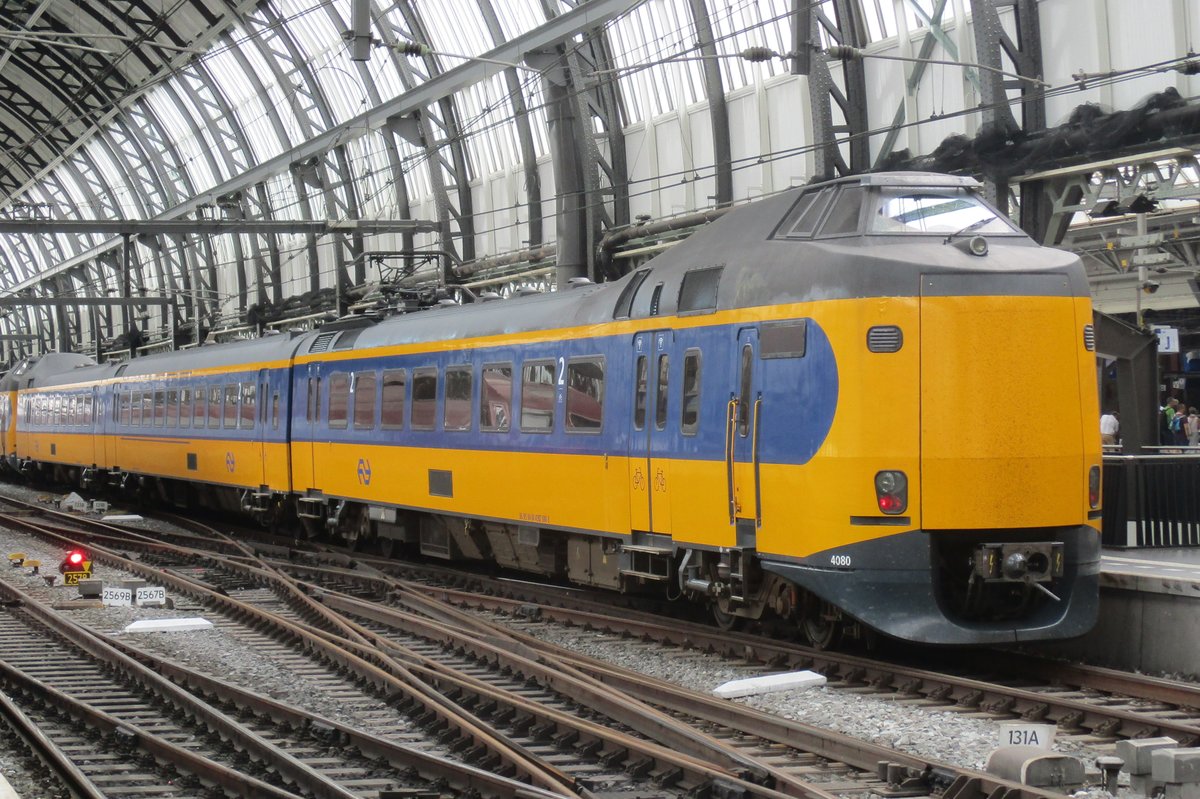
[(1109, 425), (1192, 426), (1166, 419)]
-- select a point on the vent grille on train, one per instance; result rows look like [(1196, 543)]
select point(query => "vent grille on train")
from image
[(1089, 338), (885, 338), (322, 342)]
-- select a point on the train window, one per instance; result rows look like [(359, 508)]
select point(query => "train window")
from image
[(660, 398), (147, 408), (642, 299), (172, 408), (160, 408), (339, 399), (313, 409), (625, 301), (275, 411), (249, 407), (689, 415), (585, 395), (935, 211), (364, 400), (698, 292), (136, 419), (844, 216), (391, 412), (199, 406), (72, 410), (424, 399), (185, 407), (58, 410), (229, 417), (537, 397), (802, 220), (125, 413), (495, 397), (639, 395), (783, 339), (458, 397), (744, 394), (214, 407), (656, 299)]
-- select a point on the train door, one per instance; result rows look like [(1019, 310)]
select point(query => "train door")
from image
[(263, 436), (308, 398), (649, 455), (107, 420), (96, 421), (743, 416)]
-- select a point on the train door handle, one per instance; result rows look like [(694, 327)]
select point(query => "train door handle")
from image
[(754, 458), (730, 419)]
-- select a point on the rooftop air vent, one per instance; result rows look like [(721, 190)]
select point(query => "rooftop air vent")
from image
[(322, 342), (578, 282), (885, 338), (488, 296)]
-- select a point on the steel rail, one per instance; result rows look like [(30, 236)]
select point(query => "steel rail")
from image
[(53, 758)]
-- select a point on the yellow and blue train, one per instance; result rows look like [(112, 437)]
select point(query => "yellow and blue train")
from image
[(866, 404)]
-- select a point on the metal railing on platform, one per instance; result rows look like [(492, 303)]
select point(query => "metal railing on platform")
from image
[(1152, 500)]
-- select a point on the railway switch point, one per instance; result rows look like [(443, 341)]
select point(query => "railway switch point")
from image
[(1036, 767)]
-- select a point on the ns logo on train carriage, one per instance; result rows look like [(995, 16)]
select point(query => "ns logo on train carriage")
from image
[(230, 462), (364, 471)]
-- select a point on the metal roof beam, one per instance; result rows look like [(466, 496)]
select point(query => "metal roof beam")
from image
[(162, 227)]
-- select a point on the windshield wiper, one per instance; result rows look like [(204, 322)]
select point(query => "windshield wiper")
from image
[(978, 223)]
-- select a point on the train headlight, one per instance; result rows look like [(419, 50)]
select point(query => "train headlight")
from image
[(891, 491), (1094, 486), (978, 245)]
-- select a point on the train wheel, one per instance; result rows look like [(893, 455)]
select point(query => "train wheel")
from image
[(821, 625), (724, 619)]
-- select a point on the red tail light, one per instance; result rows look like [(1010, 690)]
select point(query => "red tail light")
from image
[(891, 492), (1094, 487)]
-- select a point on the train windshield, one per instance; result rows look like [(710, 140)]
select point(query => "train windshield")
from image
[(938, 211)]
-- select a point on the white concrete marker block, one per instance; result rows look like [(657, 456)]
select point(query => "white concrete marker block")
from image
[(168, 625), (769, 683)]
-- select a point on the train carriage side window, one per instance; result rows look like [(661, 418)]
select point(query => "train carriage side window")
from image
[(639, 394), (698, 291), (160, 408), (585, 395), (364, 400), (249, 407), (844, 217), (231, 405), (275, 410), (660, 399), (391, 411), (185, 407), (199, 406), (313, 409), (173, 408), (87, 409), (125, 413), (458, 397), (136, 419), (744, 391), (689, 414), (495, 397), (147, 409), (339, 399), (73, 410), (537, 397), (214, 407), (424, 398)]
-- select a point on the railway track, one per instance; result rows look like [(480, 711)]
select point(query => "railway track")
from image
[(572, 722)]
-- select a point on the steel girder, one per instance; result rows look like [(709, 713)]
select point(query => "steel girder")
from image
[(718, 112), (847, 28)]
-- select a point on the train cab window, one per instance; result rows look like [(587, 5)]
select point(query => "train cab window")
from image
[(160, 408), (585, 395), (639, 394), (689, 415), (172, 408), (249, 407), (537, 397), (660, 399), (230, 416), (124, 411), (275, 411), (214, 407), (939, 211), (136, 419), (743, 414), (495, 397), (185, 407), (802, 220), (339, 399), (424, 399), (458, 397), (364, 400), (843, 218), (391, 411)]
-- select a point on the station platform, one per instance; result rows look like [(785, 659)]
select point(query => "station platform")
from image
[(1149, 613)]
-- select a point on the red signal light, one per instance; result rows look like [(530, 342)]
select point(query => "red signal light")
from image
[(75, 558)]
